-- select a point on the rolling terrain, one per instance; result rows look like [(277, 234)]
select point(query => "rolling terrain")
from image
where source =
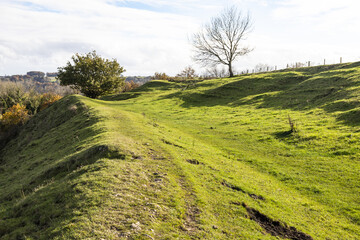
[(213, 159)]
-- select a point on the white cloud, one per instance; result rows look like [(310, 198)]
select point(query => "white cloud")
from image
[(308, 30), (142, 40), (311, 8), (42, 34)]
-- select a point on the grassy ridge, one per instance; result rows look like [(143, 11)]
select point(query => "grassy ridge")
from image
[(188, 160)]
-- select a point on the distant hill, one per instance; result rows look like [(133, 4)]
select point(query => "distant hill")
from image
[(259, 156), (37, 76), (138, 80)]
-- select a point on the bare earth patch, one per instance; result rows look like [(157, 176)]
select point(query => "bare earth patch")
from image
[(276, 228)]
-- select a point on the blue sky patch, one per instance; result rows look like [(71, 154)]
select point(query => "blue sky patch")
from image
[(143, 6), (37, 7)]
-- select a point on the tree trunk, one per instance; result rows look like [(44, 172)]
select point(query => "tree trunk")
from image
[(230, 71)]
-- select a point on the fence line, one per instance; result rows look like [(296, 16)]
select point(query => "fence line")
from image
[(267, 68)]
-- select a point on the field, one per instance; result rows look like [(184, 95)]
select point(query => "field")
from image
[(260, 156)]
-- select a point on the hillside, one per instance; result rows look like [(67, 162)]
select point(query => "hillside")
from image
[(210, 159)]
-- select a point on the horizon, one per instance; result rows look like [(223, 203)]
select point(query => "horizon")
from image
[(153, 36)]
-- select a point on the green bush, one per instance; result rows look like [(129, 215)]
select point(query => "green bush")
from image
[(92, 75)]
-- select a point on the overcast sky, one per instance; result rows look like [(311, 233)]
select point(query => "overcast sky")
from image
[(148, 36)]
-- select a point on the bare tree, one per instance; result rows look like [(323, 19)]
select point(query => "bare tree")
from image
[(219, 41), (187, 73), (215, 72)]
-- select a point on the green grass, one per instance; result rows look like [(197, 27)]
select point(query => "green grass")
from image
[(178, 160)]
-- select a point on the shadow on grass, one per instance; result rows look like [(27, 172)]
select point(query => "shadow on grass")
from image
[(48, 199), (155, 85), (301, 89), (38, 166), (283, 134), (351, 118), (121, 96)]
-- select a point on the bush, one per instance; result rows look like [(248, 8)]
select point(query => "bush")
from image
[(16, 115), (47, 99), (161, 76), (92, 75), (128, 86), (10, 94)]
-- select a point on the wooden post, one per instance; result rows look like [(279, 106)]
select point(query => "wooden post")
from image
[(324, 61), (267, 69), (340, 59), (308, 63)]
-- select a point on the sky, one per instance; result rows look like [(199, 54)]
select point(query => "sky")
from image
[(148, 36)]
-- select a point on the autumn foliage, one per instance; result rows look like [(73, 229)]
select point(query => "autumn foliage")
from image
[(18, 104), (15, 115), (47, 99), (128, 86), (161, 76)]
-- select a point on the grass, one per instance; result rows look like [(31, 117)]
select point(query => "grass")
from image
[(182, 160)]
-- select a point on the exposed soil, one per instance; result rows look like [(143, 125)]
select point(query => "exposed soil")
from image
[(275, 228), (256, 197), (170, 143), (233, 187), (194, 161), (239, 189)]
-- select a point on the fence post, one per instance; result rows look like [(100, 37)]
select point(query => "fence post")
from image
[(308, 63), (340, 59), (324, 61)]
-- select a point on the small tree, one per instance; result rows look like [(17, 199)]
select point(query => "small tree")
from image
[(219, 41), (92, 75), (187, 73)]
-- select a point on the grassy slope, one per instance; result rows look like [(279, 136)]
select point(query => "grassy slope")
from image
[(124, 167)]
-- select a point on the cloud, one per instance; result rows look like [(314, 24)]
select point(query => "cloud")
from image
[(131, 35), (152, 35), (310, 10)]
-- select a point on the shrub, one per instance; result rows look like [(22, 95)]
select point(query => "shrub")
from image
[(16, 115), (92, 75), (11, 93), (47, 99), (161, 76), (128, 86)]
